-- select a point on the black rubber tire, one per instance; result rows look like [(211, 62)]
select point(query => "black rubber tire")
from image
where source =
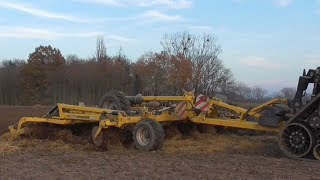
[(156, 133), (115, 100)]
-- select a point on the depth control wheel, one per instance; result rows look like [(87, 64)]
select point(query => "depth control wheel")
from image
[(316, 151), (296, 140)]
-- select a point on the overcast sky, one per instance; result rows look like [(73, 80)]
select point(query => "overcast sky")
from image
[(264, 42)]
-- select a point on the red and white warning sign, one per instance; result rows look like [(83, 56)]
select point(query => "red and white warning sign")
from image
[(202, 103), (180, 110)]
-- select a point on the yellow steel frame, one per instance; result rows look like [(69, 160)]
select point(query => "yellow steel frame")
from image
[(186, 97), (73, 112), (244, 112), (70, 114)]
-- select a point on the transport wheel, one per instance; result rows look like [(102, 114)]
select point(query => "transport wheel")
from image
[(316, 151), (115, 100), (296, 140), (148, 135), (99, 139)]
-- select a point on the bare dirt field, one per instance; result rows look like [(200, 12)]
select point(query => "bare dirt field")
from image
[(10, 115), (204, 156)]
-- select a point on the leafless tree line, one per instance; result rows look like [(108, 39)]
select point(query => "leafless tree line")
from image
[(186, 61)]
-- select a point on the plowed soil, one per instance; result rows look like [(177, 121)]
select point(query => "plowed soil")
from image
[(10, 115), (204, 156)]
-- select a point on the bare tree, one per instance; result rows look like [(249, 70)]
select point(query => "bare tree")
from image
[(240, 92), (259, 94), (208, 72), (10, 75), (287, 93), (101, 50), (152, 69)]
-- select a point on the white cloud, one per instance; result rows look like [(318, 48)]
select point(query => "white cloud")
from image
[(148, 16), (42, 13), (283, 3), (153, 15), (278, 3), (28, 33), (206, 29), (44, 34), (172, 4), (260, 63), (116, 3)]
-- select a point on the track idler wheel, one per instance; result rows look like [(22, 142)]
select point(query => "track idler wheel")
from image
[(316, 151), (296, 140)]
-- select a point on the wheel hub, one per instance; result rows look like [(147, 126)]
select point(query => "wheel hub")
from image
[(297, 139), (143, 136)]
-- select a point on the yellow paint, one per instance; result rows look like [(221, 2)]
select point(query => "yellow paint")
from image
[(71, 114)]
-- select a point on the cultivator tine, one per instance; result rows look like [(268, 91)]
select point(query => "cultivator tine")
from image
[(97, 136)]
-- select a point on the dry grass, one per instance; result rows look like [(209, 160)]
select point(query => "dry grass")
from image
[(63, 141), (58, 141), (209, 143)]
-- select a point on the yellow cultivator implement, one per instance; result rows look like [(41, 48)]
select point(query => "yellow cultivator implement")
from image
[(145, 116)]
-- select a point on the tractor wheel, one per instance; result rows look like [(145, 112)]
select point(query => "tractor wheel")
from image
[(148, 135), (296, 140), (115, 100)]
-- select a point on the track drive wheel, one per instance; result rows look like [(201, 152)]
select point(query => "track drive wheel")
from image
[(148, 135), (115, 100), (296, 140)]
